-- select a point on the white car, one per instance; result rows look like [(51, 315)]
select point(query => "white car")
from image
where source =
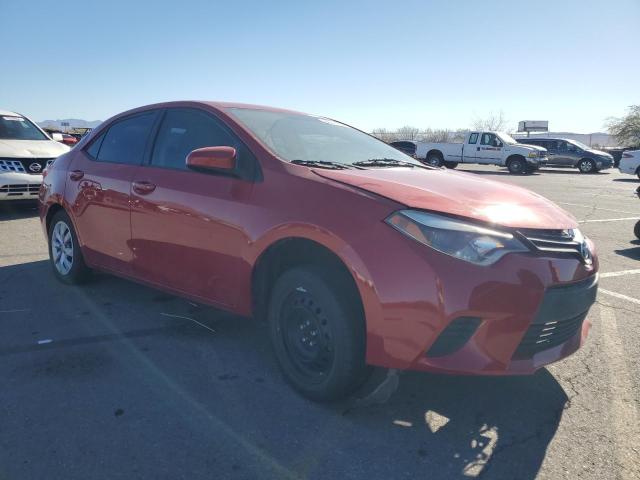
[(492, 148), (25, 151), (630, 162)]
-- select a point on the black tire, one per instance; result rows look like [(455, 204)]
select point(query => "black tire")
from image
[(517, 166), (586, 165), (636, 230), (435, 159), (451, 165), (318, 333), (638, 172), (78, 271)]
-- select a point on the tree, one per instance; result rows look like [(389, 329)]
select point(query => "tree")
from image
[(383, 134), (494, 122), (407, 133), (626, 130)]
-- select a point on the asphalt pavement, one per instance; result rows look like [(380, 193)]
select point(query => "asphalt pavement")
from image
[(115, 380)]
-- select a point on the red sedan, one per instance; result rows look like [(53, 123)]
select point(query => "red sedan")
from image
[(355, 253)]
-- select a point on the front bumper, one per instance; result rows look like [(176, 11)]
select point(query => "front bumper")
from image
[(603, 164), (537, 161), (19, 186), (526, 311)]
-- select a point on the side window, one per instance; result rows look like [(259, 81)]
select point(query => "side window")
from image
[(571, 147), (184, 130), (562, 146), (473, 138), (126, 140), (487, 139), (94, 148)]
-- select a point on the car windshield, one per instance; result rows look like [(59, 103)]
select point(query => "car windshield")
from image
[(506, 138), (13, 127), (580, 145), (299, 137)]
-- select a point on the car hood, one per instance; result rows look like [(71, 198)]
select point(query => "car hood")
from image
[(458, 193), (600, 153), (31, 148)]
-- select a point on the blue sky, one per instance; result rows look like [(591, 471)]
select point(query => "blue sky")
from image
[(437, 64)]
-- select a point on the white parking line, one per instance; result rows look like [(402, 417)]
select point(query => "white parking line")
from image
[(620, 296), (620, 273), (624, 415), (609, 219), (595, 208)]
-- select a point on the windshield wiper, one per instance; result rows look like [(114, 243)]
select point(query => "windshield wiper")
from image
[(321, 164), (384, 162)]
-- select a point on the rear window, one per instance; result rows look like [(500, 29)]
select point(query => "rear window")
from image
[(13, 127)]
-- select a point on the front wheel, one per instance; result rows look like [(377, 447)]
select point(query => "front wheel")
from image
[(64, 251), (317, 333), (517, 166), (586, 166)]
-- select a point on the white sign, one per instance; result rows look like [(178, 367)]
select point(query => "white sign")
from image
[(533, 126)]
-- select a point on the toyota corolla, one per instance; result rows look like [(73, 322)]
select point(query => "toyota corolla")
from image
[(356, 254)]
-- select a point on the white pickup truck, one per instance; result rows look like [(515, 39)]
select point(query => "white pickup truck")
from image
[(491, 148)]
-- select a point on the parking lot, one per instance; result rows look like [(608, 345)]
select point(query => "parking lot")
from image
[(116, 380)]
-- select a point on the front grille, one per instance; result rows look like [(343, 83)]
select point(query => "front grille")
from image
[(559, 318), (23, 165), (547, 335), (555, 241), (20, 189)]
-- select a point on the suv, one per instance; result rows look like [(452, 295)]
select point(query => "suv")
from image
[(25, 151), (353, 252), (564, 152)]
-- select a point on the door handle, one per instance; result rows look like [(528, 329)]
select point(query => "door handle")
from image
[(143, 187), (76, 175)]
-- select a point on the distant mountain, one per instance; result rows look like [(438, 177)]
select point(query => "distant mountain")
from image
[(73, 123), (599, 139)]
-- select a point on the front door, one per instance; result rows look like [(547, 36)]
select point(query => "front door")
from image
[(186, 227), (490, 149), (99, 190)]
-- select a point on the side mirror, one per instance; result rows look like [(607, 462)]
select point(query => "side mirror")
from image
[(212, 158), (57, 137)]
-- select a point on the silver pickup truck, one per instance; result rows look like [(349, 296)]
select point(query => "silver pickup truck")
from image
[(492, 148)]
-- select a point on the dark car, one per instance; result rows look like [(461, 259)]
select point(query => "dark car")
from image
[(405, 146), (564, 152)]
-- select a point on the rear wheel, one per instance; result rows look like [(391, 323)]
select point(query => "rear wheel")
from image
[(317, 333), (435, 159), (64, 250), (586, 165), (517, 166)]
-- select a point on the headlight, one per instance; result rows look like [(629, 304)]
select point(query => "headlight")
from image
[(466, 241)]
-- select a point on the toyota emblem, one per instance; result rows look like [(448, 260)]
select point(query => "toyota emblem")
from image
[(35, 167)]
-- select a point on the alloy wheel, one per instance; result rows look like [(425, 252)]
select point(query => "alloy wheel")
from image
[(62, 248)]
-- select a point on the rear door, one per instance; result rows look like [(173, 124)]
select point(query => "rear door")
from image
[(490, 149), (99, 187), (187, 226)]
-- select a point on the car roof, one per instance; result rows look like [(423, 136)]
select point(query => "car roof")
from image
[(9, 113), (545, 138)]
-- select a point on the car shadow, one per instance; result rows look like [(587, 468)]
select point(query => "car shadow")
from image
[(15, 210), (627, 180), (632, 253), (187, 368)]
